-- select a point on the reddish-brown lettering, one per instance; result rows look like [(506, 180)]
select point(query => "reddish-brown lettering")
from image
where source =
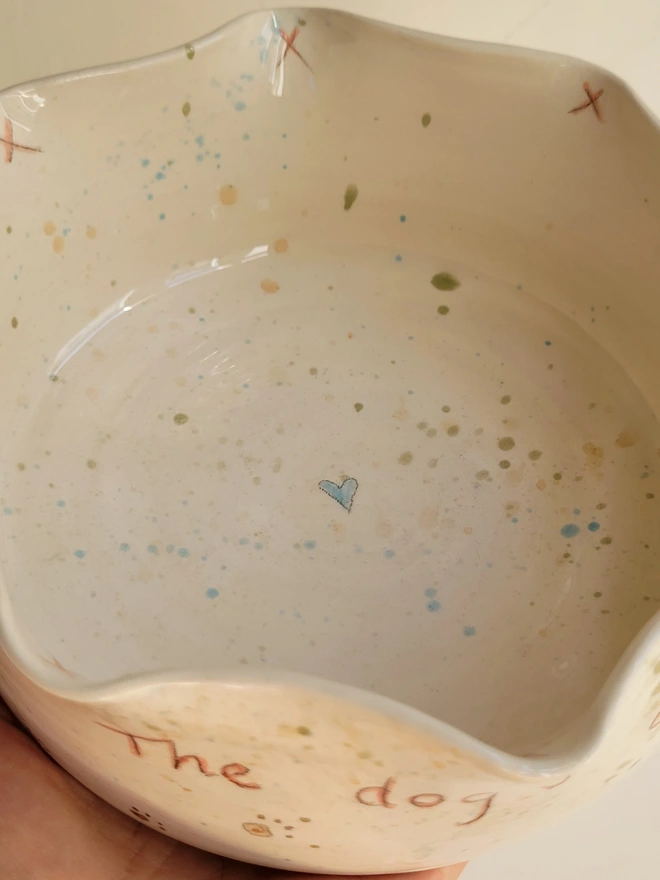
[(231, 772), (426, 800), (485, 800), (377, 795)]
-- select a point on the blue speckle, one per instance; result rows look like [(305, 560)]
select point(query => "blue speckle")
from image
[(124, 548), (246, 136), (183, 552), (145, 162), (309, 545), (593, 526), (160, 175), (258, 545), (8, 511), (212, 593), (152, 549), (161, 216), (430, 592), (547, 342), (398, 258), (285, 167), (433, 605), (150, 196), (239, 105), (244, 541), (570, 530), (514, 519), (402, 218), (200, 157), (469, 630), (388, 554), (199, 140), (79, 554), (577, 511), (61, 503), (170, 548)]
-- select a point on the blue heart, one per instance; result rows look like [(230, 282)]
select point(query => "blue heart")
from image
[(344, 494)]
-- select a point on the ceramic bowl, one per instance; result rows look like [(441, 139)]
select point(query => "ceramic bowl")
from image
[(329, 438)]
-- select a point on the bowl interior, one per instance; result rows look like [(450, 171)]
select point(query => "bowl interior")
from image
[(331, 348)]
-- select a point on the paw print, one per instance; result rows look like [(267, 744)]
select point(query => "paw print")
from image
[(261, 829)]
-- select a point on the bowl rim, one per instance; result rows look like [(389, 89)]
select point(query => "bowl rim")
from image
[(592, 727)]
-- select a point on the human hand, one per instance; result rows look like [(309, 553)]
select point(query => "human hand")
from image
[(52, 828)]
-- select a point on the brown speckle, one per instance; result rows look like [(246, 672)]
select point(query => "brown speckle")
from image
[(453, 430), (313, 371), (350, 195), (433, 463), (91, 232), (228, 195), (405, 458), (269, 286), (482, 475), (180, 419), (540, 485), (304, 731), (281, 246), (446, 409), (186, 109), (443, 310), (606, 541), (535, 454), (358, 407), (91, 464), (591, 449), (504, 464), (506, 443), (14, 323), (625, 440), (506, 399)]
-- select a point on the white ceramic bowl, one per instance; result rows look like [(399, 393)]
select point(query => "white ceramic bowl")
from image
[(330, 442)]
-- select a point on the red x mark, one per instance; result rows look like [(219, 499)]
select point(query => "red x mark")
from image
[(10, 145), (592, 101), (290, 39)]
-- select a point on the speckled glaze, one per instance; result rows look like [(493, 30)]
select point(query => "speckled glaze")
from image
[(329, 438)]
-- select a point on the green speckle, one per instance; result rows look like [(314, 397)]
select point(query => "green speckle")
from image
[(302, 22), (506, 399), (186, 109), (453, 430), (445, 281), (180, 419), (426, 120), (483, 475), (443, 310), (358, 407), (14, 323), (422, 425), (506, 443), (504, 464), (405, 458), (190, 51), (304, 731), (91, 464), (556, 476), (446, 408), (350, 195), (535, 454), (598, 594), (9, 230)]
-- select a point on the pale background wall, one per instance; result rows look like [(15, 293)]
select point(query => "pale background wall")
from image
[(617, 836)]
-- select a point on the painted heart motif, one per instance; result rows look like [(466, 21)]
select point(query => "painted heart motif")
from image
[(344, 494)]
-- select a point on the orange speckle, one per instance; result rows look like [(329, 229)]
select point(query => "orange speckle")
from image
[(350, 335), (625, 439), (541, 485), (228, 195), (49, 227), (281, 246), (269, 286), (58, 244), (91, 232)]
